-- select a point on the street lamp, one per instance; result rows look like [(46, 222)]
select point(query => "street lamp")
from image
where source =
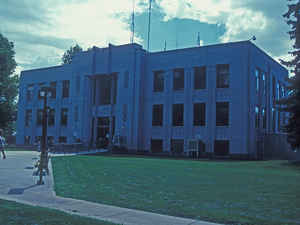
[(44, 93)]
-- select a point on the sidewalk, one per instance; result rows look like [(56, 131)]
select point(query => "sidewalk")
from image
[(18, 184)]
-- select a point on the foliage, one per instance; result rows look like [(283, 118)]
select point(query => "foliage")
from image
[(291, 104), (69, 54), (8, 84)]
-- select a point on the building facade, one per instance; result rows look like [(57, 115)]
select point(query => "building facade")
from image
[(222, 95)]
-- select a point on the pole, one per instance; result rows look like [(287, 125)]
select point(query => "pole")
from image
[(112, 97), (43, 157), (149, 22)]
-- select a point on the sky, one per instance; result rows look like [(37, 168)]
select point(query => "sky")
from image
[(43, 30)]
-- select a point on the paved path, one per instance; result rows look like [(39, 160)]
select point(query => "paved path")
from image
[(18, 184)]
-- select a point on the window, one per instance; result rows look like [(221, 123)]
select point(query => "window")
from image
[(157, 115), (222, 113), (221, 147), (28, 117), (40, 87), (62, 139), (200, 77), (178, 79), (78, 85), (39, 117), (29, 92), (273, 88), (37, 139), (126, 79), (199, 114), (27, 140), (178, 114), (158, 81), (278, 121), (282, 91), (66, 88), (264, 118), (257, 79), (50, 140), (105, 83), (223, 76), (177, 146), (64, 117), (76, 113), (124, 114), (278, 90), (51, 117), (257, 117), (273, 120), (264, 83), (156, 145), (53, 89)]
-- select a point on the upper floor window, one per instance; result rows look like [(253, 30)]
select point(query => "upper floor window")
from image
[(264, 85), (40, 86), (39, 117), (257, 117), (28, 117), (278, 90), (257, 80), (66, 88), (157, 115), (264, 118), (273, 87), (158, 81), (178, 114), (51, 117), (178, 79), (222, 113), (200, 77), (223, 76), (29, 92), (53, 89), (199, 114), (64, 117), (273, 120)]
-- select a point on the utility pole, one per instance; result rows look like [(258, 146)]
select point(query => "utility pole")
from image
[(112, 98), (149, 22)]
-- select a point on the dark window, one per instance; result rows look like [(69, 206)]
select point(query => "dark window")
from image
[(264, 85), (199, 114), (51, 117), (105, 83), (221, 147), (200, 77), (257, 80), (27, 140), (178, 110), (126, 79), (66, 88), (157, 115), (39, 117), (29, 92), (50, 140), (156, 145), (223, 76), (222, 113), (273, 120), (273, 88), (28, 117), (158, 81), (64, 117), (178, 80), (37, 139), (53, 89), (62, 139), (278, 121), (124, 114), (40, 87), (257, 117), (177, 146), (264, 118)]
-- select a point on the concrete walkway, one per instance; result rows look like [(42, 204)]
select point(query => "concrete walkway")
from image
[(18, 184)]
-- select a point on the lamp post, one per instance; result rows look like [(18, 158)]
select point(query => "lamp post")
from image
[(44, 93)]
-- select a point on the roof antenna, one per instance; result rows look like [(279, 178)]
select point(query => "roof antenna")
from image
[(132, 23), (149, 22), (165, 49), (198, 40)]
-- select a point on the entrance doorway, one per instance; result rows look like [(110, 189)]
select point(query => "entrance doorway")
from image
[(102, 138)]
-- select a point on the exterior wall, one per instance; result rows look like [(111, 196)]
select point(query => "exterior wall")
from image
[(87, 67)]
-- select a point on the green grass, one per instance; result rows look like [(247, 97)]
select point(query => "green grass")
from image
[(246, 192), (12, 213)]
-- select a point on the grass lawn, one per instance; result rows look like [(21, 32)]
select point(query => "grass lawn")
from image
[(231, 192), (13, 213)]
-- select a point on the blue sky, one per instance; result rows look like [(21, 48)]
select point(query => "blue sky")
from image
[(43, 32)]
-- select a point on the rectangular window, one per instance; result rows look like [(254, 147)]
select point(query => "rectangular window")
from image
[(53, 89), (64, 117), (257, 80), (62, 139), (27, 140), (126, 79), (222, 113), (28, 117), (200, 77), (39, 117), (264, 118), (177, 146), (273, 120), (66, 88), (278, 121), (278, 90), (221, 147), (178, 79), (199, 114), (223, 76), (124, 114), (156, 145), (257, 117), (40, 87), (157, 115), (37, 139), (264, 83), (50, 140), (51, 117), (76, 113), (158, 81), (105, 86), (178, 113), (29, 92), (273, 88)]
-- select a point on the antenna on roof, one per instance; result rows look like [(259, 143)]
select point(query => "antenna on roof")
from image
[(198, 40), (132, 23), (165, 49), (149, 22)]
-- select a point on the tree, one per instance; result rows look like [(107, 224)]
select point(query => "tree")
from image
[(8, 84), (291, 103), (69, 54)]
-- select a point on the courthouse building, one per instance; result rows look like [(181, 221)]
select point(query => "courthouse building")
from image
[(222, 95)]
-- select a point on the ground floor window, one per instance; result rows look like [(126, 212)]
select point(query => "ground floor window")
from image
[(177, 146), (221, 147), (156, 145), (62, 139), (27, 140)]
